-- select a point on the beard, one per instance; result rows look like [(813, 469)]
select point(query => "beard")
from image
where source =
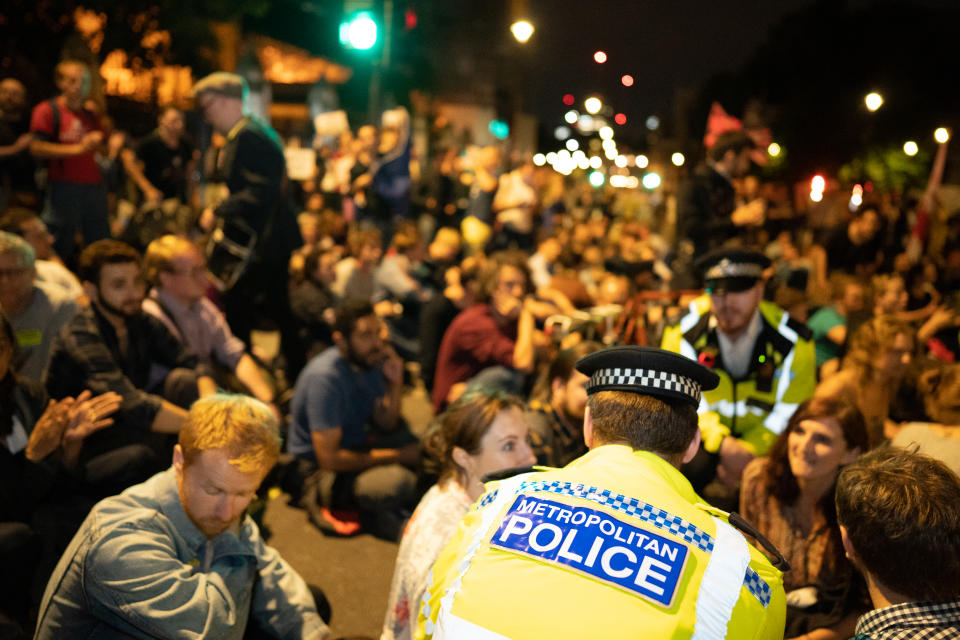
[(365, 362), (118, 311)]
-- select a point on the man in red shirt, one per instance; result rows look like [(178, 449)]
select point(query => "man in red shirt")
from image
[(67, 138), (499, 332)]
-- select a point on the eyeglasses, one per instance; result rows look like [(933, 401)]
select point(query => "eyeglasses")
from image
[(193, 272)]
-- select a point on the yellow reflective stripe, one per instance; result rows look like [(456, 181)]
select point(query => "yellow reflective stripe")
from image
[(722, 579)]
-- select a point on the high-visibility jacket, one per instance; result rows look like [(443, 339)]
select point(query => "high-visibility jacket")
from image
[(614, 545), (755, 409)]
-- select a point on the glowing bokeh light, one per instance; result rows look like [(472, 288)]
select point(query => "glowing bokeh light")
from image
[(568, 99), (873, 100), (605, 133), (941, 135), (600, 57), (572, 144), (773, 149), (522, 30), (620, 119), (627, 80), (596, 162), (596, 178), (539, 159), (642, 161), (571, 116), (651, 180), (677, 159), (592, 105), (653, 123)]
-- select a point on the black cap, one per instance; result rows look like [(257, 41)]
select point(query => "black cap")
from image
[(647, 371), (732, 269)]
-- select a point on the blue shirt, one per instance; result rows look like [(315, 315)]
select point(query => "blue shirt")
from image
[(331, 393), (139, 568)]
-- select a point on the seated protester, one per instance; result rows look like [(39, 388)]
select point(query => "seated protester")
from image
[(443, 252), (312, 301), (354, 273), (50, 270), (543, 262), (872, 372), (178, 274), (460, 292), (39, 443), (829, 324), (177, 556), (856, 247), (346, 424), (556, 411), (479, 434), (37, 312), (899, 515), (113, 346), (499, 331), (394, 282), (940, 436), (788, 496)]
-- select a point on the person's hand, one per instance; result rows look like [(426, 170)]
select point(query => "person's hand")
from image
[(506, 305), (409, 455), (92, 140), (22, 143), (48, 431), (153, 196), (87, 415), (393, 368), (90, 414), (734, 457), (206, 219), (941, 317)]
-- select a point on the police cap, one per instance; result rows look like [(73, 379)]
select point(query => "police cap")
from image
[(732, 269), (647, 371)]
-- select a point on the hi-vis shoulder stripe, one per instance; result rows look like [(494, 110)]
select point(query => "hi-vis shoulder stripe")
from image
[(643, 511), (647, 378)]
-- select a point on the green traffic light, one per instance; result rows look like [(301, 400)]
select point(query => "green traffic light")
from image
[(359, 31)]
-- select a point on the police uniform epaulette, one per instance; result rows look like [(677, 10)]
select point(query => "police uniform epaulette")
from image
[(802, 330), (737, 521)]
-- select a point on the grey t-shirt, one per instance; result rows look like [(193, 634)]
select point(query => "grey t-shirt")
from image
[(36, 327), (929, 441)]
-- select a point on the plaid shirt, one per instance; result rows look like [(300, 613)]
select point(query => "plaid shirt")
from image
[(911, 621)]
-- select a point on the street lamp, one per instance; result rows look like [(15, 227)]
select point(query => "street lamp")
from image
[(873, 100), (941, 135), (910, 148), (522, 30)]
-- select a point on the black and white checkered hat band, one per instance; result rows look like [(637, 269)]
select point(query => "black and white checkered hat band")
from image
[(728, 269), (645, 380)]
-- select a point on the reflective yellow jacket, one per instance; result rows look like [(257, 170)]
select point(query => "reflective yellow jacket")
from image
[(756, 408), (614, 545)]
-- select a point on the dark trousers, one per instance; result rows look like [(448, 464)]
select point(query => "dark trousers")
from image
[(76, 207)]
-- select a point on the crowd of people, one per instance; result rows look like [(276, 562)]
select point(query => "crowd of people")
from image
[(827, 356)]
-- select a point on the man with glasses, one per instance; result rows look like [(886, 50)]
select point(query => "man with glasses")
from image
[(178, 274), (346, 425), (37, 312)]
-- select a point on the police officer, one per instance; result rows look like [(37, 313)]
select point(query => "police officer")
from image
[(616, 544), (765, 360)]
